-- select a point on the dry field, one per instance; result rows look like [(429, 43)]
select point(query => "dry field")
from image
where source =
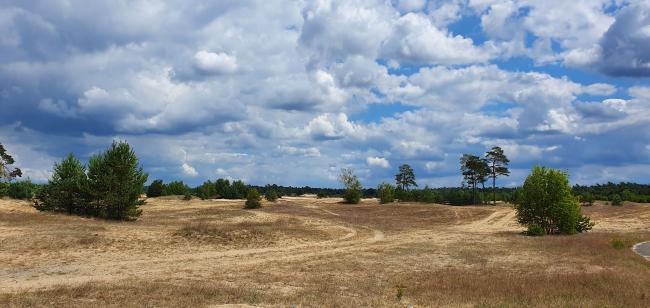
[(309, 252)]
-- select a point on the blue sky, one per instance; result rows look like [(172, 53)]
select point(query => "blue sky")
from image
[(290, 92)]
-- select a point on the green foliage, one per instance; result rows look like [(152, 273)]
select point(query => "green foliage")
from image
[(405, 177), (21, 190), (475, 170), (352, 186), (116, 182), (386, 193), (67, 190), (187, 196), (156, 189), (7, 173), (546, 200), (271, 195), (224, 189), (4, 187), (176, 188), (616, 200), (400, 290), (535, 230), (207, 190), (321, 195), (253, 199)]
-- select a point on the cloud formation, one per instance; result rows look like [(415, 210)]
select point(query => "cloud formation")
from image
[(290, 92)]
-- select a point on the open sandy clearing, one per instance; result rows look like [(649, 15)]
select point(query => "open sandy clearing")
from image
[(312, 252)]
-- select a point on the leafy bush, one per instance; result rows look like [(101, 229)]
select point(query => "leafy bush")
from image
[(616, 200), (116, 182), (352, 185), (207, 190), (321, 195), (253, 199), (67, 190), (546, 200), (156, 189), (21, 190), (4, 187), (386, 193), (535, 230), (271, 195), (187, 196)]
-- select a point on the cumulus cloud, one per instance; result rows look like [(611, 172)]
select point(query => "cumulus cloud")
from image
[(189, 170), (215, 63), (258, 89), (378, 162), (625, 47)]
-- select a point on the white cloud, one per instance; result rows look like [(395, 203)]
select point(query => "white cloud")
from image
[(378, 162), (215, 63), (189, 170)]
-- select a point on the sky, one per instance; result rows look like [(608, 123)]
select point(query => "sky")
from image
[(290, 92)]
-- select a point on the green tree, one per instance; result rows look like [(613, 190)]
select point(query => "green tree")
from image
[(7, 173), (239, 190), (67, 190), (386, 193), (405, 177), (474, 170), (176, 188), (546, 200), (222, 188), (116, 181), (352, 186), (253, 199), (498, 166), (21, 190), (156, 189)]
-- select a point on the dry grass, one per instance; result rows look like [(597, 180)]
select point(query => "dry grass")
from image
[(309, 252)]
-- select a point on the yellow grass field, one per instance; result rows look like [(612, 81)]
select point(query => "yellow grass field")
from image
[(308, 252)]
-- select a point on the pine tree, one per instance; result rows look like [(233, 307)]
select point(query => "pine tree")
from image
[(6, 172), (498, 164), (68, 189), (116, 181)]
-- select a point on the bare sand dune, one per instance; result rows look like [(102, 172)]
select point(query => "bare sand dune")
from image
[(316, 252)]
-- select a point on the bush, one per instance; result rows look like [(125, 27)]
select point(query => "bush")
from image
[(116, 182), (546, 200), (321, 195), (156, 189), (535, 230), (187, 196), (4, 187), (352, 185), (271, 195), (616, 200), (253, 199), (67, 191), (386, 193), (23, 190)]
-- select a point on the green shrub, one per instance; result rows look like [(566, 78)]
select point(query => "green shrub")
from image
[(4, 187), (271, 195), (321, 195), (352, 186), (386, 193), (23, 190), (156, 189), (116, 181), (616, 200), (187, 196), (535, 230), (253, 199), (546, 200), (618, 244)]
